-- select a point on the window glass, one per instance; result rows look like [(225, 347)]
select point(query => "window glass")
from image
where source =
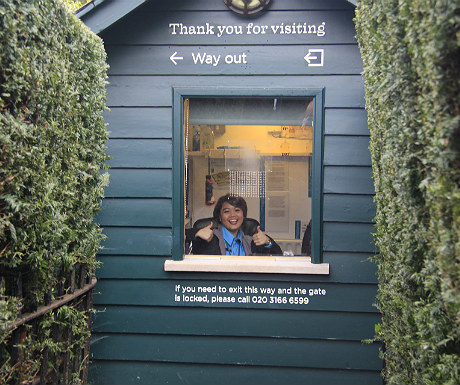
[(258, 149)]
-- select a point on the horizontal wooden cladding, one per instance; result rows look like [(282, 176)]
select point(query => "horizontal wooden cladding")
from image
[(234, 60), (144, 212), (152, 373), (140, 153), (156, 91), (348, 208), (268, 28), (351, 267), (347, 151), (206, 5), (340, 121), (352, 237), (146, 123), (237, 351), (156, 123), (344, 268), (337, 297), (344, 237), (157, 153), (139, 183), (227, 322), (137, 240), (348, 180)]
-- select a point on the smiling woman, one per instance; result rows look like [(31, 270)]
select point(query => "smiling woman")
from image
[(224, 234)]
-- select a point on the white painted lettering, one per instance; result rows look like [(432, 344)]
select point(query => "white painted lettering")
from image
[(198, 58), (181, 29), (174, 26), (295, 28), (216, 60), (209, 29), (236, 59), (280, 296), (238, 29), (206, 59), (220, 29), (229, 30), (275, 28), (321, 29), (267, 290), (256, 29)]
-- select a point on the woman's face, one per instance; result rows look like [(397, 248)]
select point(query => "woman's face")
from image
[(231, 218)]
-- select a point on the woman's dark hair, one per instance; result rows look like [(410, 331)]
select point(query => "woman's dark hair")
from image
[(234, 200)]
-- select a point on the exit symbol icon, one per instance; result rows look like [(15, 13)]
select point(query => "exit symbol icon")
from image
[(315, 57)]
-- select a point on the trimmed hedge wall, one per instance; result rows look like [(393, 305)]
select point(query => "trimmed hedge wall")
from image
[(52, 150), (411, 54)]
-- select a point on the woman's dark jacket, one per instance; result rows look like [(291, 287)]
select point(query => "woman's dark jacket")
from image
[(217, 245)]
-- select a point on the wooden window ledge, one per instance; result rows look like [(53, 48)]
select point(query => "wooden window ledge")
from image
[(226, 264)]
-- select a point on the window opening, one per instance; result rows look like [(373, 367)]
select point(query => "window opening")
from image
[(257, 149)]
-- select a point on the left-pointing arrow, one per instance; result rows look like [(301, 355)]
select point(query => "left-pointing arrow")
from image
[(173, 58)]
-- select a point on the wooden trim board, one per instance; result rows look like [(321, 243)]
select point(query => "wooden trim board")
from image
[(224, 264)]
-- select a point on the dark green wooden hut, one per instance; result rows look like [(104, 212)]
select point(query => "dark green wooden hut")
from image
[(168, 318)]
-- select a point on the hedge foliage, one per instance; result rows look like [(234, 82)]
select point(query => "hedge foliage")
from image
[(75, 5), (411, 54), (52, 147)]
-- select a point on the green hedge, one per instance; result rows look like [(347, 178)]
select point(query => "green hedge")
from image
[(411, 54), (52, 147)]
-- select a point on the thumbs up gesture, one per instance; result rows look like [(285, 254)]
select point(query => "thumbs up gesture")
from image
[(205, 233), (260, 238)]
